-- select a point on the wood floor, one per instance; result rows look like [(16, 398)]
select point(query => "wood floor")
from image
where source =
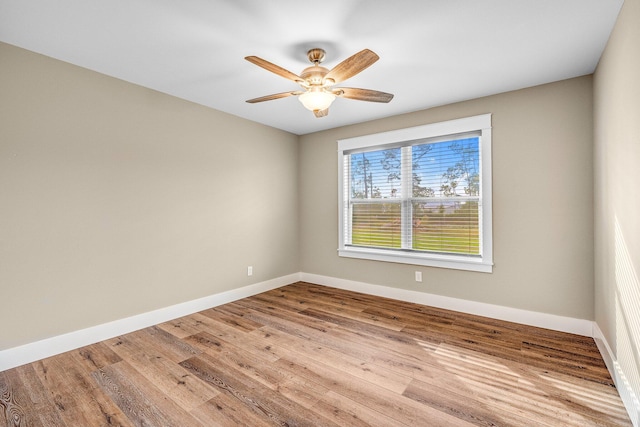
[(307, 355)]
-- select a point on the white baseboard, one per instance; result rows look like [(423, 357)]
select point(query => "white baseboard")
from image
[(31, 352), (531, 318), (629, 398)]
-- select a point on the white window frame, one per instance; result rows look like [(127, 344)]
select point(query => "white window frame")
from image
[(480, 123)]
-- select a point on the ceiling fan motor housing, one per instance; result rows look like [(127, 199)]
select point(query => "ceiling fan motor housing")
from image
[(314, 75)]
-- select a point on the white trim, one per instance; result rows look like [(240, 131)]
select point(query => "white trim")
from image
[(434, 260), (525, 317), (431, 130), (486, 211), (31, 352), (629, 398)]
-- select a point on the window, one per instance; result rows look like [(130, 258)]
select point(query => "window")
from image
[(419, 196)]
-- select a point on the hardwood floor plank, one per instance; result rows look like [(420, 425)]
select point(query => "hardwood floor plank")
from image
[(308, 293), (230, 335), (375, 398), (530, 395), (229, 316), (227, 411), (568, 362), (349, 413), (600, 402), (250, 365), (476, 412), (285, 301), (73, 393), (479, 368), (169, 377), (88, 398), (401, 309), (17, 409), (516, 348), (261, 400), (320, 329), (268, 315), (257, 363), (140, 400), (163, 342), (180, 328), (283, 345), (309, 355)]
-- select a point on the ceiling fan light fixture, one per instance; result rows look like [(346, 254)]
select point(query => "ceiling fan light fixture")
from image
[(317, 81), (316, 99)]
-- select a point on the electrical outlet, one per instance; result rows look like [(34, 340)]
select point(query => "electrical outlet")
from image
[(418, 276), (250, 271)]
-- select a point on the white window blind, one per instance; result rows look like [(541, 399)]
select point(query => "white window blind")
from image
[(417, 200)]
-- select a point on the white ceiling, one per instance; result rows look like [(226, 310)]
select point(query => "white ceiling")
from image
[(432, 52)]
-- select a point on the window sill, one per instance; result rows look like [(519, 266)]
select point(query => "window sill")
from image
[(430, 260)]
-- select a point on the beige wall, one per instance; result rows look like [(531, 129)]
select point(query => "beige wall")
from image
[(617, 191), (116, 200), (542, 203)]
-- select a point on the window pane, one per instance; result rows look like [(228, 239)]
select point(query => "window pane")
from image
[(446, 169), (448, 227), (376, 225), (376, 174)]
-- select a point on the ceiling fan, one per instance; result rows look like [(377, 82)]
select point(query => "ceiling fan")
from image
[(318, 81)]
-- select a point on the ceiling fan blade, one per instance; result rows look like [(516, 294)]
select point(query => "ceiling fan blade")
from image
[(274, 68), (352, 65), (272, 97), (363, 94), (321, 113)]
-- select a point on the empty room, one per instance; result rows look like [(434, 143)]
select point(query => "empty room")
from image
[(350, 213)]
